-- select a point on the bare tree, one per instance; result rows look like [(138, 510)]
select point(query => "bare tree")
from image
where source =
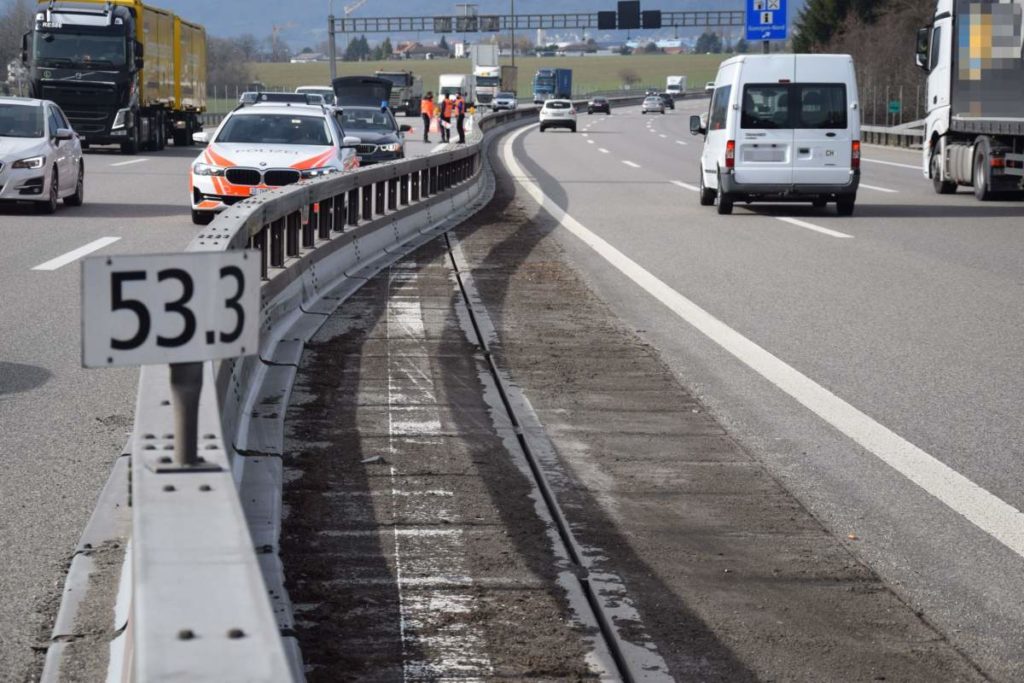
[(15, 19), (227, 63)]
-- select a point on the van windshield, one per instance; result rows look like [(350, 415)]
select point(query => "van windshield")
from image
[(803, 105)]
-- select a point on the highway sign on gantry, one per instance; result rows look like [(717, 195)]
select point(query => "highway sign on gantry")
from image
[(766, 20)]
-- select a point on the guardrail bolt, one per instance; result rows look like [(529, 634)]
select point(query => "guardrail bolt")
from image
[(165, 460), (186, 634), (205, 487), (169, 488), (236, 633)]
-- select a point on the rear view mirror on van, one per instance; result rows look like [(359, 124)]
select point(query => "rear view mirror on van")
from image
[(695, 127), (921, 51)]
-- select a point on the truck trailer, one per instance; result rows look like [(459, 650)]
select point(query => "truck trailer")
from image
[(974, 130), (124, 72), (406, 91), (552, 84)]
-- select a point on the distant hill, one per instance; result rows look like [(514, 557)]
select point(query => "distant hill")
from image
[(303, 22)]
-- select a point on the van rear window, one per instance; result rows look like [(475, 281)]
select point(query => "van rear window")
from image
[(796, 105)]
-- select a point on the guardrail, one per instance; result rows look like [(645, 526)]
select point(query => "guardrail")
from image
[(207, 601), (907, 135)]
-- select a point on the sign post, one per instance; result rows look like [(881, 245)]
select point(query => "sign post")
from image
[(180, 309), (766, 21)]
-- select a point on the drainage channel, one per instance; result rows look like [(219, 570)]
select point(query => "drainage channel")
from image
[(631, 662)]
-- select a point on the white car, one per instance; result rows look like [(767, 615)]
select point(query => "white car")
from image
[(260, 147), (505, 100), (709, 87), (324, 91), (40, 155), (558, 114)]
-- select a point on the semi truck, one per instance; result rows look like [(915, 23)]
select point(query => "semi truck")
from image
[(974, 130), (490, 80), (406, 91), (552, 84), (675, 86), (124, 72)]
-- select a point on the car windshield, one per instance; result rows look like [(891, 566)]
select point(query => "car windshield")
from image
[(282, 129), (599, 100), (556, 104), (506, 95), (366, 119), (653, 100), (488, 81), (79, 49), (21, 121)]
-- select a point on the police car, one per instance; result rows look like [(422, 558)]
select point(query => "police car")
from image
[(265, 144)]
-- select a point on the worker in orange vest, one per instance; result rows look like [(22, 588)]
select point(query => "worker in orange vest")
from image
[(447, 109), (427, 114), (460, 118)]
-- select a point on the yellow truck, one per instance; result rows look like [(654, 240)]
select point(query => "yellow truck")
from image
[(124, 72)]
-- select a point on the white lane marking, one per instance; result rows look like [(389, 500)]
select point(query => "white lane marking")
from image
[(998, 519), (590, 142), (878, 189), (129, 163), (630, 163), (680, 142), (891, 163), (815, 228), (585, 135), (686, 186), (662, 135), (72, 256), (603, 151)]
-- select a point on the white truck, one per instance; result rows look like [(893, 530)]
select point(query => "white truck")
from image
[(490, 80), (453, 84), (974, 130), (675, 86)]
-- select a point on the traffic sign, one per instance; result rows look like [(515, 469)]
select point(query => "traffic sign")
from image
[(895, 106), (766, 20), (169, 308)]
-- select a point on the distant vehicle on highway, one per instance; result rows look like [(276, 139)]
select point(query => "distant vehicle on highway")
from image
[(260, 147), (551, 84), (599, 104), (782, 128), (506, 100), (558, 114), (675, 85), (324, 91), (709, 86), (667, 100), (40, 155), (364, 112), (654, 103)]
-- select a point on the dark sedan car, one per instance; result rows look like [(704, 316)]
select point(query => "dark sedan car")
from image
[(670, 103), (382, 138), (599, 104)]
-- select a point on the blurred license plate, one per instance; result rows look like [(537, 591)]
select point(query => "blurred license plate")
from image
[(258, 190)]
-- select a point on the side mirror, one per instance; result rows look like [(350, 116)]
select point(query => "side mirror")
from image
[(695, 126), (201, 137), (921, 53), (405, 128), (140, 55), (64, 134), (351, 141)]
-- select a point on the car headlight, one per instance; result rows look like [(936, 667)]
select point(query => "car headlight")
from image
[(392, 147), (30, 162), (317, 172), (200, 168)]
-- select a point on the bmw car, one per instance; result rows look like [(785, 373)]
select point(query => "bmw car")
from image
[(40, 155), (382, 138), (264, 146)]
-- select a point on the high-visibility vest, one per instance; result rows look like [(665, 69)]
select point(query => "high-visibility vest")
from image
[(447, 108), (427, 107)]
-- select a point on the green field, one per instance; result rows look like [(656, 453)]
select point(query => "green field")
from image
[(590, 74)]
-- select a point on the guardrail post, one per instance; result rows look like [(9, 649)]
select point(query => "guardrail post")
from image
[(338, 212), (325, 219), (259, 241), (392, 194), (277, 243), (186, 386), (368, 202), (380, 195), (309, 227), (433, 180), (414, 182), (403, 190), (293, 225)]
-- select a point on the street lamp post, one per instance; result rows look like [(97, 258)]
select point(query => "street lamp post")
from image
[(513, 3)]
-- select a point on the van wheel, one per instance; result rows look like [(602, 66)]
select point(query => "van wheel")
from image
[(707, 195), (723, 202), (940, 186), (844, 206)]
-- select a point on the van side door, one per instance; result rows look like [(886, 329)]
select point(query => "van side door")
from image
[(822, 133)]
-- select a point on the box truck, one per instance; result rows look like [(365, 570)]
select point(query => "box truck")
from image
[(974, 130), (675, 86), (124, 72), (552, 84)]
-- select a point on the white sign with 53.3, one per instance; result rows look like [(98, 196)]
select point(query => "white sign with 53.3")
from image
[(169, 308)]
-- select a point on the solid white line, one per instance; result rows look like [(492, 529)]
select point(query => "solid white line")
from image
[(879, 189), (129, 163), (891, 163), (989, 513), (686, 186), (630, 163), (815, 228), (603, 151), (71, 256)]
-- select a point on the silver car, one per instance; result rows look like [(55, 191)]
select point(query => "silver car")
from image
[(505, 100), (40, 155), (653, 103)]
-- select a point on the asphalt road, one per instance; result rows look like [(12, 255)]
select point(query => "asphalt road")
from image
[(874, 363), (61, 426)]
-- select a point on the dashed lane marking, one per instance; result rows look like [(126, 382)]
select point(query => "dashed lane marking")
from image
[(129, 163), (680, 142), (816, 228), (74, 255), (630, 163), (891, 163), (987, 512), (602, 150), (686, 186), (878, 189)]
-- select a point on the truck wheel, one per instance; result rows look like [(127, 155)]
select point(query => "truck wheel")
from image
[(131, 145), (982, 190), (940, 186), (179, 137), (844, 205)]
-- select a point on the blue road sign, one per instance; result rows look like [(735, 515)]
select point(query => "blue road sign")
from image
[(766, 20)]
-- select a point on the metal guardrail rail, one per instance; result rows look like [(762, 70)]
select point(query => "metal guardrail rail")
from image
[(909, 134)]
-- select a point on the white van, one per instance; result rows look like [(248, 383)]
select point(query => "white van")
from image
[(781, 128)]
